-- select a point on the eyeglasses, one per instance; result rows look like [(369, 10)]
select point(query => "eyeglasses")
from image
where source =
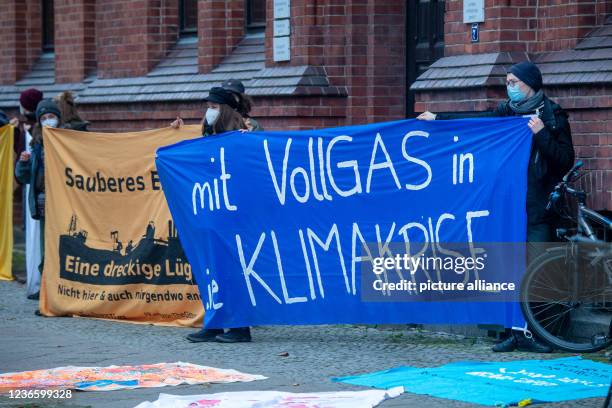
[(512, 82)]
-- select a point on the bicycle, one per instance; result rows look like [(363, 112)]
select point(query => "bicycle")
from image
[(566, 292)]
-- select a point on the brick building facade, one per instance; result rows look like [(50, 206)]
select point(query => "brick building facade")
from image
[(136, 64)]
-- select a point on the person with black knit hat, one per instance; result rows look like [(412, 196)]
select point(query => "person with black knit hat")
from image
[(245, 103), (30, 169), (552, 156)]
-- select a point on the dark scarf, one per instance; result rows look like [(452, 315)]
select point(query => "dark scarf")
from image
[(528, 105)]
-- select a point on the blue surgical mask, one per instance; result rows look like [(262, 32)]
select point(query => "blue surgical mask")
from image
[(514, 93), (52, 122)]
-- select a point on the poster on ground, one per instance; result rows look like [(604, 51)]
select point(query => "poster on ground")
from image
[(111, 247)]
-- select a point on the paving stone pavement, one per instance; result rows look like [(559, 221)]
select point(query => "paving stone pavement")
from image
[(316, 354)]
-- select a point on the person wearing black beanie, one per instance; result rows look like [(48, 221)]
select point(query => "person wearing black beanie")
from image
[(30, 169), (529, 73), (552, 156), (245, 103)]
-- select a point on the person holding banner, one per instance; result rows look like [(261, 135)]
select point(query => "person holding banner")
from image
[(245, 103), (70, 116), (32, 239), (28, 101), (221, 116), (30, 168), (552, 155)]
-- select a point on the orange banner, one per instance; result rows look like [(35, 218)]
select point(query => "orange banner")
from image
[(111, 249)]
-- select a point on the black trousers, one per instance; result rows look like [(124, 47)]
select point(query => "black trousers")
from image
[(537, 233)]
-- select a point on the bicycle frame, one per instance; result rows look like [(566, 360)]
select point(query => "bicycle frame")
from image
[(584, 214)]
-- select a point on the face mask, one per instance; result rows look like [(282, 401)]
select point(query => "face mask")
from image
[(212, 115), (49, 122), (514, 93)]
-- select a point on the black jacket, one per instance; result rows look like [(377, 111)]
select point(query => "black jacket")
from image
[(552, 155), (3, 118)]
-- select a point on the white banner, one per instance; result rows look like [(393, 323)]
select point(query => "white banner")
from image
[(276, 399)]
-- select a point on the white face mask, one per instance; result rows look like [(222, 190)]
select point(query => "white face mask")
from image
[(49, 122), (212, 115)]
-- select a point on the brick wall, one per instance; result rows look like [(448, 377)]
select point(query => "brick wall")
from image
[(75, 39), (133, 36), (523, 25), (528, 27), (590, 110), (221, 26), (20, 36), (360, 43), (592, 136), (273, 113)]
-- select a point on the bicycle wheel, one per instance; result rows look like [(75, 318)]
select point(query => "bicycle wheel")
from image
[(569, 310)]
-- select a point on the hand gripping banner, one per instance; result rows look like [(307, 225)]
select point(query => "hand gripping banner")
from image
[(285, 227)]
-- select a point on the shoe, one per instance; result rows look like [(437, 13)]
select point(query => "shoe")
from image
[(507, 345), (532, 345), (34, 296), (37, 313), (204, 335), (239, 335)]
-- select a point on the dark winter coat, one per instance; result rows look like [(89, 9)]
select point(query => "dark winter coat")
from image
[(29, 172)]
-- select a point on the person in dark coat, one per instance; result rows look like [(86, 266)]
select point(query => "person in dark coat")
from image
[(221, 113), (69, 114), (245, 103), (28, 101), (552, 156), (221, 116), (30, 168)]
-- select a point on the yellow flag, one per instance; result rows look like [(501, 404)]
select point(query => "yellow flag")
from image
[(6, 202)]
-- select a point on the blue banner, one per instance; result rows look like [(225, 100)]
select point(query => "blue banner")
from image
[(498, 383), (276, 225)]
